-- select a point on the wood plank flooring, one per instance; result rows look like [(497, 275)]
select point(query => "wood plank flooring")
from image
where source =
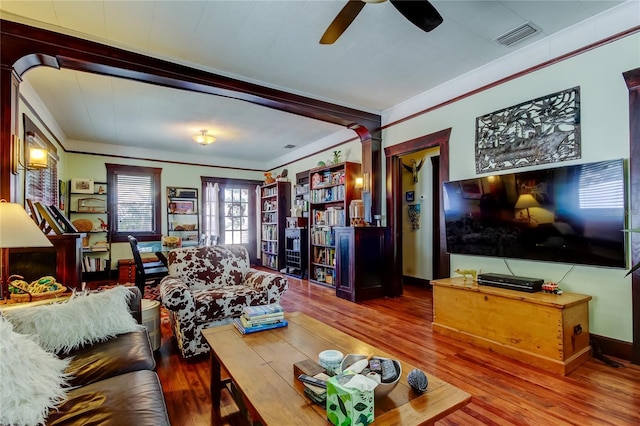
[(505, 392)]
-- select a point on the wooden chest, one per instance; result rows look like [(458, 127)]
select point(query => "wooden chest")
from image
[(127, 269), (545, 330)]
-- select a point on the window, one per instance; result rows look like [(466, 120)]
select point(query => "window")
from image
[(602, 185), (134, 202), (229, 211), (41, 185), (236, 216)]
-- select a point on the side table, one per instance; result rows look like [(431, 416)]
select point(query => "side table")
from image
[(151, 320)]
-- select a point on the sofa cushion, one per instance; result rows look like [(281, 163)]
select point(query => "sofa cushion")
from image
[(129, 399), (119, 355), (209, 267), (83, 320), (31, 379), (226, 302)]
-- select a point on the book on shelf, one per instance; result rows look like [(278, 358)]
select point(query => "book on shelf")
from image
[(237, 322), (253, 311)]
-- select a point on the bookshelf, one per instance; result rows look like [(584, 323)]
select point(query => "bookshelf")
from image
[(331, 190), (183, 220), (275, 204), (89, 213)]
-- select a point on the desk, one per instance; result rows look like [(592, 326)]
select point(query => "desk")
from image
[(161, 251), (261, 366)]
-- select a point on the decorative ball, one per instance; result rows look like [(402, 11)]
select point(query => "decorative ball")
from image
[(417, 380)]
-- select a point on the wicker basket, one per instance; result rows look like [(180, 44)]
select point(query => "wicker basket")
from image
[(32, 297)]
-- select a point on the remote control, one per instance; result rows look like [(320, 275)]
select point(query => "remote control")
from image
[(388, 370), (312, 381)]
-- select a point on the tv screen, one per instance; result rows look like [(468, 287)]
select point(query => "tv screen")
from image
[(571, 214)]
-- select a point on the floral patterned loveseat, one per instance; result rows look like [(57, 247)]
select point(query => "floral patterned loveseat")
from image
[(208, 287)]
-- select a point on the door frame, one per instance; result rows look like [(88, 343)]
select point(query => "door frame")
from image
[(441, 268)]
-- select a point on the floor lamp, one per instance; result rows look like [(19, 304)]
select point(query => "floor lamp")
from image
[(17, 229)]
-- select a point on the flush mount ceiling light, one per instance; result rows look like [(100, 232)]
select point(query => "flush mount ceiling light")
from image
[(203, 138)]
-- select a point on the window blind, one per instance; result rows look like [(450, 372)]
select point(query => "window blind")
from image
[(135, 203), (601, 186)]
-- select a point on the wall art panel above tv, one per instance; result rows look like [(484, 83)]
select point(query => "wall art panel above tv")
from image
[(572, 214)]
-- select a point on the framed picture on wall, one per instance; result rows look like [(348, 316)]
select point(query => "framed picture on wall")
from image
[(81, 186), (62, 194), (471, 189), (409, 196)]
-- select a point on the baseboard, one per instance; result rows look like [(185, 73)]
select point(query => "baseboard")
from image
[(613, 347), (415, 281)]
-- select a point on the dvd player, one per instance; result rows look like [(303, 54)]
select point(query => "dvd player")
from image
[(511, 282)]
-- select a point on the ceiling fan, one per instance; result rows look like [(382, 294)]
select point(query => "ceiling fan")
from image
[(420, 12)]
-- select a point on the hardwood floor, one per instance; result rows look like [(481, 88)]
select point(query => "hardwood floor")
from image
[(505, 392)]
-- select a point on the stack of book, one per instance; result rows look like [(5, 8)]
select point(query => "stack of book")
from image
[(262, 317)]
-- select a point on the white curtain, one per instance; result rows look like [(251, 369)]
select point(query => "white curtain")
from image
[(212, 206), (258, 222)]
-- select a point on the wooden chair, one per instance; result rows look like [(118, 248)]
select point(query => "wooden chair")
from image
[(146, 272)]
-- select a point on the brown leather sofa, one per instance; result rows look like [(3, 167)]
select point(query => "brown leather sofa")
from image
[(114, 382)]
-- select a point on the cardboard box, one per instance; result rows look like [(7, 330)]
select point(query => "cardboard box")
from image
[(347, 406)]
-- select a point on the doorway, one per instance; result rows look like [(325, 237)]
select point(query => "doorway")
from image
[(396, 204), (419, 207)]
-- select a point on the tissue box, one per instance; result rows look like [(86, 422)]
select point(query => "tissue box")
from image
[(347, 406)]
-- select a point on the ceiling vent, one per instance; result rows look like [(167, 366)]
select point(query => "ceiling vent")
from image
[(289, 146), (517, 34)]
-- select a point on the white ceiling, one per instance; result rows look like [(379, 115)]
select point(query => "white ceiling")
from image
[(380, 61)]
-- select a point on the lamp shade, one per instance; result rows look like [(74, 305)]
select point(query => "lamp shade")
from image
[(37, 158), (526, 201), (17, 229)]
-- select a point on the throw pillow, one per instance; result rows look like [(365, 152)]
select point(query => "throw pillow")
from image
[(83, 320), (32, 379)]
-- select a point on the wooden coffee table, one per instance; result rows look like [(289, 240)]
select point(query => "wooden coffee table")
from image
[(260, 365)]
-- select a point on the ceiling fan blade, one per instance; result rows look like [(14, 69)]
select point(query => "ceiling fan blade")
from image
[(342, 21), (421, 13)]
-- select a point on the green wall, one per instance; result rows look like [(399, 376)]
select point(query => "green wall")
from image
[(604, 134)]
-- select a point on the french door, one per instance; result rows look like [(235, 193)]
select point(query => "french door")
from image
[(229, 211)]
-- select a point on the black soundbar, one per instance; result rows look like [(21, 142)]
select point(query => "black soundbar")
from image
[(512, 282)]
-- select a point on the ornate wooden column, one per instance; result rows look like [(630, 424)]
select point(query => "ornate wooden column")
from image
[(632, 78), (9, 83)]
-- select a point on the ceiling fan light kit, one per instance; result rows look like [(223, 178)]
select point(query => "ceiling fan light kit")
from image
[(203, 138), (419, 12)]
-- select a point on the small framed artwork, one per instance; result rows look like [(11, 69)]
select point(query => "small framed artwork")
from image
[(471, 189), (181, 207), (82, 185), (62, 194), (409, 196)]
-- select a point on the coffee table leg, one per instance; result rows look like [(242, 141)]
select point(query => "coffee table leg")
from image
[(216, 384)]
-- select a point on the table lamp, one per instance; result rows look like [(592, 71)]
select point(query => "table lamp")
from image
[(526, 201), (17, 229)]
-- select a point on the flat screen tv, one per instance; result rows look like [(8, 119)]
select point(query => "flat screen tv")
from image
[(571, 214)]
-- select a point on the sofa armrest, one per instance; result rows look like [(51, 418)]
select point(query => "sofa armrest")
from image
[(135, 304), (273, 284), (175, 293)]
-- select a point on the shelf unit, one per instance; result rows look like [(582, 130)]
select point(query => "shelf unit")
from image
[(361, 272), (301, 194), (88, 202), (296, 252), (183, 219), (275, 205), (331, 190)]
